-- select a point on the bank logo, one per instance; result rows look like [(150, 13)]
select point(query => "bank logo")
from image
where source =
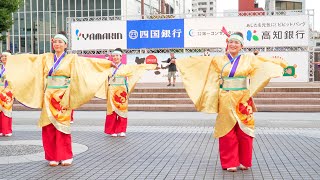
[(78, 34), (98, 36), (252, 35), (133, 34)]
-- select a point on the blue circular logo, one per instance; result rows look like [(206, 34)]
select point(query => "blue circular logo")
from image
[(133, 34)]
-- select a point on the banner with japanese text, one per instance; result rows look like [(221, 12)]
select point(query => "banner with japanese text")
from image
[(258, 31), (155, 33)]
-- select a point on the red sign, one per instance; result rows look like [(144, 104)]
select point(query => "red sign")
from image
[(151, 59)]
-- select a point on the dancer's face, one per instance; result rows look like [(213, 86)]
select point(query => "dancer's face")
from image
[(59, 45), (4, 59), (234, 46), (116, 58)]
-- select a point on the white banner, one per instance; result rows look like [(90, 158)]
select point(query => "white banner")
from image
[(300, 59), (271, 31), (98, 35), (160, 75)]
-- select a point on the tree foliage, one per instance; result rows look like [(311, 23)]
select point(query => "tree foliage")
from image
[(7, 7)]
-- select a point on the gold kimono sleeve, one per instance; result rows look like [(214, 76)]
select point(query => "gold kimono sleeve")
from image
[(87, 76), (24, 74), (263, 70), (101, 93), (201, 81), (134, 73)]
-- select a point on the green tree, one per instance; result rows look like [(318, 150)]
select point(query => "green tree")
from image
[(7, 7)]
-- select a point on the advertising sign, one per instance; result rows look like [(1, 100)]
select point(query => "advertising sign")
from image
[(155, 34), (270, 31), (98, 35)]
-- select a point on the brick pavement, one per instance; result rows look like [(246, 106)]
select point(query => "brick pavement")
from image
[(171, 150)]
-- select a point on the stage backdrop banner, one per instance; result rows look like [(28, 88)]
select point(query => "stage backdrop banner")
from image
[(270, 31), (98, 35)]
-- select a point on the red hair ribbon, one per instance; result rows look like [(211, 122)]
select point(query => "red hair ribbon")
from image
[(227, 34)]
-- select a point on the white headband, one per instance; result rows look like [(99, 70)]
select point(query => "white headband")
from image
[(117, 52), (236, 37), (62, 37), (6, 53)]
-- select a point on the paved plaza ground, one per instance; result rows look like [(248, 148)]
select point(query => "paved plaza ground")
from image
[(162, 145)]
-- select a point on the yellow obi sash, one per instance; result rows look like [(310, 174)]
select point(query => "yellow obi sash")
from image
[(117, 81), (58, 82), (234, 83)]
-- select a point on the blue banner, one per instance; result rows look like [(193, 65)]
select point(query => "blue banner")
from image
[(155, 34)]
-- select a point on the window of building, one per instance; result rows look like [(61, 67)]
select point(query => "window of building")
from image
[(111, 4), (202, 9), (27, 4), (34, 5), (85, 13), (72, 5), (65, 5), (59, 5), (105, 13), (91, 5), (85, 5), (45, 5), (290, 6), (202, 3), (40, 5), (78, 5), (105, 4), (40, 24), (118, 12), (15, 43), (297, 5), (53, 6), (28, 50), (66, 14), (37, 21), (118, 5), (98, 4), (28, 23), (47, 45), (22, 27), (23, 44), (111, 12), (284, 5), (91, 13)]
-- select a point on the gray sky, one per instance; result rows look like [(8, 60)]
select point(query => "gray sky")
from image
[(233, 4)]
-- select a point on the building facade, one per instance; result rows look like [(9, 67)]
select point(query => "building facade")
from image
[(249, 5), (204, 7), (294, 5), (37, 21)]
